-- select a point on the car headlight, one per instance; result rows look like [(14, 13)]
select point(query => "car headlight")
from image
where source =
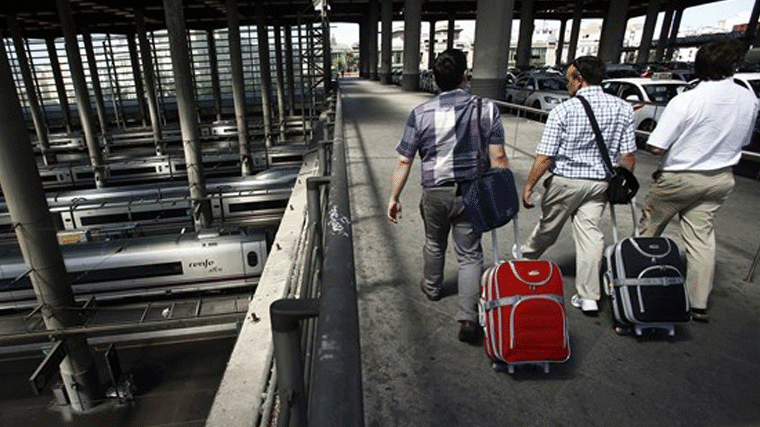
[(552, 99)]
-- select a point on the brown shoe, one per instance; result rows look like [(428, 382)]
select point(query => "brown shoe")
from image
[(470, 332), (434, 295), (700, 315)]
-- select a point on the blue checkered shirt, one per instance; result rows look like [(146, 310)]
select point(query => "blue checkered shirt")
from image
[(445, 131), (569, 138)]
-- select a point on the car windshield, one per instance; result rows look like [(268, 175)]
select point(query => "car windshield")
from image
[(663, 92), (557, 83), (755, 86)]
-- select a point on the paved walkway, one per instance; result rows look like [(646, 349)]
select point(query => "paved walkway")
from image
[(416, 372)]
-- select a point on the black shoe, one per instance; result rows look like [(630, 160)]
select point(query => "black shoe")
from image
[(432, 296), (470, 332), (700, 314)]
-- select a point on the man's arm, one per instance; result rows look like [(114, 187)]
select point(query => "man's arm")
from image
[(400, 175), (654, 150), (627, 160), (498, 156), (540, 165)]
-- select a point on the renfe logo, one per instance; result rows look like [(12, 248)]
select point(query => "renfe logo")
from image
[(202, 264)]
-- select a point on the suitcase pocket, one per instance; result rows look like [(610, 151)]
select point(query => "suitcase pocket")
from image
[(538, 329)]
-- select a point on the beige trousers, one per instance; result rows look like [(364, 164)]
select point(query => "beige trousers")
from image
[(583, 201), (695, 197)]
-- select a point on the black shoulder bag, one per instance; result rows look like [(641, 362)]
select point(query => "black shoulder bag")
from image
[(490, 200), (622, 184)]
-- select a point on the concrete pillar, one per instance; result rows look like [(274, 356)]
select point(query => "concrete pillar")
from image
[(95, 81), (575, 31), (451, 31), (280, 81), (214, 66), (186, 108), (266, 74), (493, 25), (664, 31), (653, 8), (84, 108), (35, 231), (613, 33), (238, 87), (674, 32), (372, 33), (134, 59), (560, 41), (412, 23), (327, 55), (527, 11), (431, 46), (289, 72), (60, 88), (40, 128), (386, 53), (150, 81), (750, 35), (363, 48)]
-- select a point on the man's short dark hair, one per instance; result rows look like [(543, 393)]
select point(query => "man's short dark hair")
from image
[(449, 69), (591, 68), (719, 59)]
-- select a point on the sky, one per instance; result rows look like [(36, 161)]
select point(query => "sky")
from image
[(706, 15)]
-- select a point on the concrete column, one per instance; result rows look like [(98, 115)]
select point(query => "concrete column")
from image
[(238, 87), (134, 59), (560, 41), (60, 88), (214, 66), (183, 81), (372, 33), (431, 46), (84, 108), (386, 53), (327, 55), (750, 35), (451, 31), (664, 31), (575, 31), (289, 72), (493, 25), (527, 11), (674, 32), (266, 74), (35, 231), (280, 81), (614, 32), (653, 8), (150, 81), (412, 22), (40, 128), (95, 80), (364, 48)]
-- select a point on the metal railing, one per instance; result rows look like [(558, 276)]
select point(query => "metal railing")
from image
[(319, 370)]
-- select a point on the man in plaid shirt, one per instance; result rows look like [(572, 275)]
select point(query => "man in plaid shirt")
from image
[(576, 188), (445, 131)]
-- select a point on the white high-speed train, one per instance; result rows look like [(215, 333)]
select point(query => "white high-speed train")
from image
[(146, 266)]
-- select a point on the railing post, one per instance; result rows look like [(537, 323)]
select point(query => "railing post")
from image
[(313, 204), (323, 149), (286, 315)]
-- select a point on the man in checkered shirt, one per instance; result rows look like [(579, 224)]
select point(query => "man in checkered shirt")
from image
[(576, 188), (445, 131)]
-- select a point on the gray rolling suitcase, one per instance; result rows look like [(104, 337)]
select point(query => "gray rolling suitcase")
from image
[(644, 279)]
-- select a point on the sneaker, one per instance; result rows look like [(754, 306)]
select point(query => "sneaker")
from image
[(700, 314), (432, 295), (470, 332), (514, 251), (588, 306)]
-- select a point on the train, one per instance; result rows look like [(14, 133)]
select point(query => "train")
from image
[(167, 207), (145, 267)]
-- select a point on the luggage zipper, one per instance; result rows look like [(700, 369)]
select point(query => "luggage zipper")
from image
[(519, 298)]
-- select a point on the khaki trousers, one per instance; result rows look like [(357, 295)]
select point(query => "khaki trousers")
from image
[(695, 197), (583, 201)]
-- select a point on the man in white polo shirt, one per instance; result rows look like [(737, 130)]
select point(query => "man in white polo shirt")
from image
[(700, 135)]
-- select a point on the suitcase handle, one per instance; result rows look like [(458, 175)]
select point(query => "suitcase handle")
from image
[(496, 243), (633, 216)]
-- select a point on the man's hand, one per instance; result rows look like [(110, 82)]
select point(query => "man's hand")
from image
[(394, 211), (526, 198)]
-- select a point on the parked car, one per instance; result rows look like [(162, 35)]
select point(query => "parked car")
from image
[(542, 91), (648, 96), (750, 81)]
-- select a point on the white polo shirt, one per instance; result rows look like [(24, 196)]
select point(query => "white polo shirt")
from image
[(705, 128)]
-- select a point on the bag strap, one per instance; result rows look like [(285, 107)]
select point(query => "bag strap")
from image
[(598, 134)]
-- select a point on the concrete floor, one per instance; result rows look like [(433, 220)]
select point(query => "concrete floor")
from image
[(416, 372)]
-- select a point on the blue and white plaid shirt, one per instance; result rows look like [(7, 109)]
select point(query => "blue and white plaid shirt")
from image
[(569, 138), (445, 131)]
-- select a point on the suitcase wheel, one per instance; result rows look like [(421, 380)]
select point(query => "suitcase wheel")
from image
[(510, 367), (639, 329)]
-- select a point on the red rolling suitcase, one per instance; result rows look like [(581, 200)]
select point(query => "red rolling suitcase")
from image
[(522, 312)]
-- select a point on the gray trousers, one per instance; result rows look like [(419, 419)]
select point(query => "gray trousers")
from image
[(442, 210)]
